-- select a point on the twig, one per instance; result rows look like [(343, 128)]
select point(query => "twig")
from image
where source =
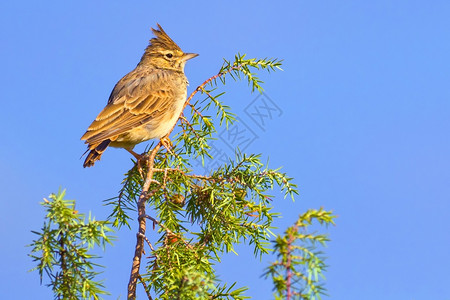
[(203, 177), (145, 287), (183, 119), (148, 242), (142, 225), (196, 110), (159, 223), (207, 93), (183, 281), (288, 268), (200, 87)]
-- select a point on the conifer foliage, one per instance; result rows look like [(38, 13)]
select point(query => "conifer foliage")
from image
[(186, 221)]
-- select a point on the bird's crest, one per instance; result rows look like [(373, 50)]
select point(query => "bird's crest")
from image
[(162, 41)]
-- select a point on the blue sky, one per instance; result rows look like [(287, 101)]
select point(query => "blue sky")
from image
[(364, 126)]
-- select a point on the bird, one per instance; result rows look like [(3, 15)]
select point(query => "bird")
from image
[(145, 104)]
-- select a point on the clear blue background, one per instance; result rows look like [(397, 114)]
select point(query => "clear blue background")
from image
[(364, 131)]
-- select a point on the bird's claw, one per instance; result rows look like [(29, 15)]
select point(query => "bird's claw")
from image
[(165, 141)]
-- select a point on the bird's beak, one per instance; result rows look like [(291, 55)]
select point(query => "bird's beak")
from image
[(188, 56)]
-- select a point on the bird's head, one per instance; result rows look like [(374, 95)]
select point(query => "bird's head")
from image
[(164, 53)]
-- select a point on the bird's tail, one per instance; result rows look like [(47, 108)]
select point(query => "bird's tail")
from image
[(95, 153)]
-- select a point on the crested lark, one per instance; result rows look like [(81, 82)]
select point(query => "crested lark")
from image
[(145, 104)]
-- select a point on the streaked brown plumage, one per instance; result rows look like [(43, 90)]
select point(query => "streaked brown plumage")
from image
[(145, 104)]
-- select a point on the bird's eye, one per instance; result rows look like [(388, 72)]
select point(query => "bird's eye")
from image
[(169, 55)]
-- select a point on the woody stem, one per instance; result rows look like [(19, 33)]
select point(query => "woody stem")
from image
[(139, 249)]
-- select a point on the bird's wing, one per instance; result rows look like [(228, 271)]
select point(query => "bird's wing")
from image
[(134, 101)]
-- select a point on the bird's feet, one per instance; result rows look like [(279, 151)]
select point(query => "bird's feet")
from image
[(139, 160), (137, 156), (165, 141)]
